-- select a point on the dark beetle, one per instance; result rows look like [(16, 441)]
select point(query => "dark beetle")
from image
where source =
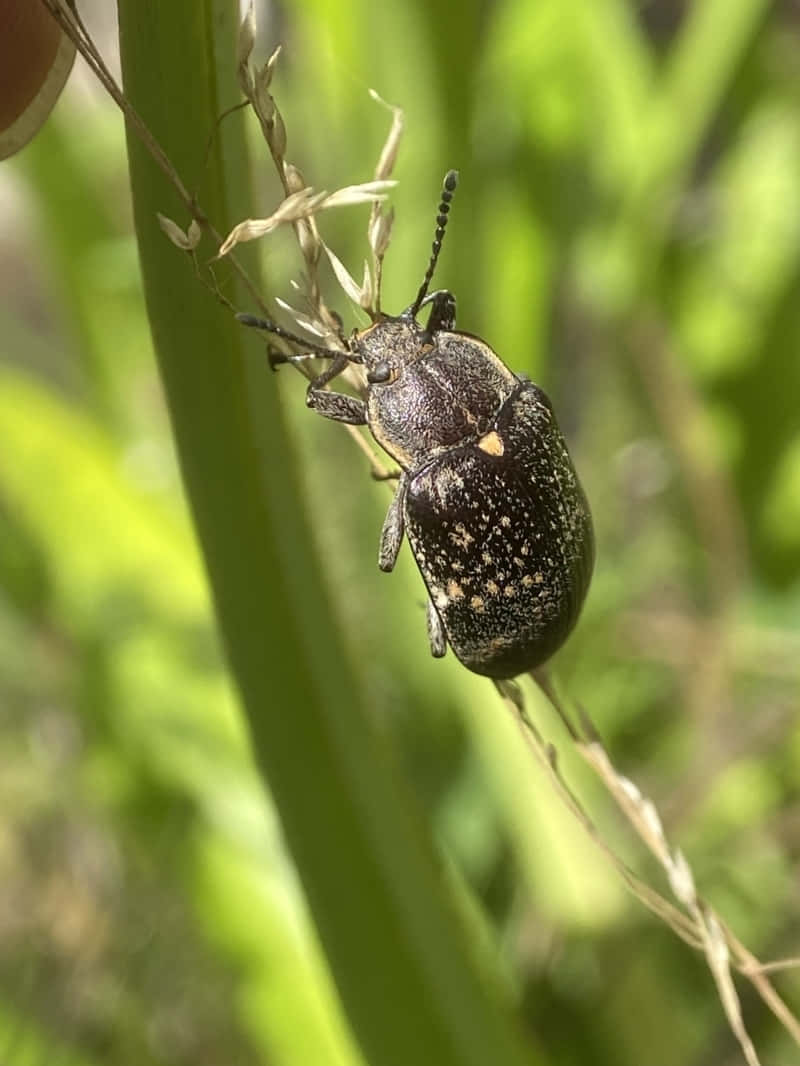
[(488, 498)]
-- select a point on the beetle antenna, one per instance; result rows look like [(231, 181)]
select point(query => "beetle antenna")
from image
[(448, 188)]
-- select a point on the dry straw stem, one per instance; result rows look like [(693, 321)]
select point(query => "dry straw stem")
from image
[(696, 923), (304, 204), (380, 222)]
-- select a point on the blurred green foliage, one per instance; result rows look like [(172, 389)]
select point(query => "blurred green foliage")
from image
[(627, 231)]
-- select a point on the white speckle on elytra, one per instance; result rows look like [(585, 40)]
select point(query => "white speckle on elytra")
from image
[(461, 536), (499, 643), (492, 587), (477, 604), (454, 591), (510, 591), (449, 483), (505, 521)]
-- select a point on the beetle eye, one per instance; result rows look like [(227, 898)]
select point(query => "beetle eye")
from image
[(379, 374)]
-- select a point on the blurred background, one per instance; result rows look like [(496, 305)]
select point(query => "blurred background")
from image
[(626, 232)]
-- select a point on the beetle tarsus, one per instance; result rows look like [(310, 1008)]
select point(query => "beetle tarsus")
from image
[(436, 634), (393, 528)]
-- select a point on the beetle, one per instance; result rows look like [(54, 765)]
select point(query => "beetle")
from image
[(487, 495)]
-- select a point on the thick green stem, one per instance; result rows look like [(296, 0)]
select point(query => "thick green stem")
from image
[(381, 905)]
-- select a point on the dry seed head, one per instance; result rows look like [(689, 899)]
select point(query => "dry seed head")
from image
[(388, 156), (629, 787), (302, 203), (194, 233), (348, 283), (255, 84), (309, 241), (681, 880), (717, 937), (303, 320), (278, 135), (367, 289), (365, 193), (262, 99), (244, 47), (380, 231), (245, 81), (379, 228), (264, 107), (294, 178), (269, 68), (263, 75), (187, 241), (247, 36), (651, 819), (298, 205)]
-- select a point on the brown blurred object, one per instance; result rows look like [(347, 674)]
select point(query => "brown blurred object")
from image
[(35, 61)]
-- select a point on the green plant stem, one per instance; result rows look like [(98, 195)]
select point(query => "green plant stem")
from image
[(379, 900)]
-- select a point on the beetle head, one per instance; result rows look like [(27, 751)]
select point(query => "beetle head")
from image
[(389, 345), (392, 343)]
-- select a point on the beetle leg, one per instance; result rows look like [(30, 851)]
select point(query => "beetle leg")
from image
[(338, 406), (393, 528), (319, 351), (390, 475), (436, 634), (335, 405)]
